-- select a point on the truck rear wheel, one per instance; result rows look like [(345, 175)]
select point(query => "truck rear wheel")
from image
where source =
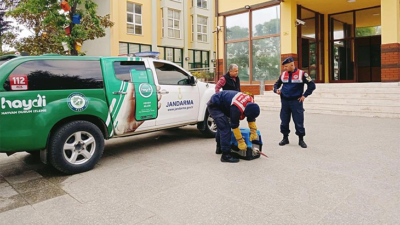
[(76, 147), (210, 128)]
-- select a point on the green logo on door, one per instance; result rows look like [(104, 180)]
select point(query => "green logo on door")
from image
[(145, 90)]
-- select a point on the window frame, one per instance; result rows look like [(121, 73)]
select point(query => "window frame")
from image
[(193, 64), (180, 70), (202, 4), (130, 80), (351, 39), (201, 30), (173, 23), (128, 48), (68, 75), (134, 14), (250, 39), (173, 50)]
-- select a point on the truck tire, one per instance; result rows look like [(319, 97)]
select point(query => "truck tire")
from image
[(34, 154), (210, 128), (76, 147)]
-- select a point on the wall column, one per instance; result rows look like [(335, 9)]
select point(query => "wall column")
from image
[(154, 23), (289, 30), (114, 31), (390, 51)]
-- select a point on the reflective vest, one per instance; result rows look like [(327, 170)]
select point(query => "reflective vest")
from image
[(297, 77), (241, 100)]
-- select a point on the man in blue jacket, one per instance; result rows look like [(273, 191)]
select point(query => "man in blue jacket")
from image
[(292, 95), (237, 106)]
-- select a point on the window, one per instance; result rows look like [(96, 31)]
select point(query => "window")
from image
[(128, 48), (123, 69), (60, 75), (368, 22), (264, 41), (171, 54), (199, 59), (202, 28), (177, 55), (237, 27), (168, 74), (202, 4), (174, 29), (134, 18)]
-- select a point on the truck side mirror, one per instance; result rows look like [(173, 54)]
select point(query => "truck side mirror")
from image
[(192, 81)]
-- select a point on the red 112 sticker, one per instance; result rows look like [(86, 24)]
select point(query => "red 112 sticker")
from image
[(19, 82)]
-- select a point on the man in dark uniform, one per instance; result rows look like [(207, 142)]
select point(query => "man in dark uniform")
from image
[(292, 81), (236, 106), (230, 81)]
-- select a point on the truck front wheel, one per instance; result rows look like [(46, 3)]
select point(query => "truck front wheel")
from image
[(76, 147), (210, 128)]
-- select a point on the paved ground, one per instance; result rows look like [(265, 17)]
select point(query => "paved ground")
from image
[(348, 175)]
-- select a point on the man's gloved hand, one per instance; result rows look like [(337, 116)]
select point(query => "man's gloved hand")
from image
[(238, 135), (253, 131), (242, 145)]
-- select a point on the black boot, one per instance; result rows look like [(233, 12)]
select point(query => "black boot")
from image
[(284, 141), (226, 157), (218, 150), (301, 142)]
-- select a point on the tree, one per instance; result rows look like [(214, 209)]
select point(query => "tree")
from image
[(366, 31), (5, 26), (48, 22)]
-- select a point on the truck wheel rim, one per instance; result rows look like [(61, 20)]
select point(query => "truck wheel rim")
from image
[(211, 124), (79, 148)]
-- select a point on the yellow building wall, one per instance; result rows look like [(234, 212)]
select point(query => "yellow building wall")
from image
[(115, 29), (288, 28), (390, 13), (189, 25), (119, 31), (145, 38), (228, 5), (159, 24)]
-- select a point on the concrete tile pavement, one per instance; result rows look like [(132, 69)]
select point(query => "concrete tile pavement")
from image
[(348, 175)]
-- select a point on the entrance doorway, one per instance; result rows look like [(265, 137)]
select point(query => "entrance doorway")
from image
[(368, 51), (355, 46), (310, 43)]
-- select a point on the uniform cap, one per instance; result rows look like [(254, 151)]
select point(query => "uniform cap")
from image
[(288, 60), (252, 110)]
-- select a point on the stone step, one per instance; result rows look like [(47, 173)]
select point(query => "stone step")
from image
[(357, 90), (354, 99), (317, 94), (341, 112), (337, 101), (355, 108), (356, 85)]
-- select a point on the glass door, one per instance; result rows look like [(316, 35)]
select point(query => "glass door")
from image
[(311, 43)]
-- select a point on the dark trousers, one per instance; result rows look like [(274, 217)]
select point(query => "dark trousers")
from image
[(223, 136), (295, 109)]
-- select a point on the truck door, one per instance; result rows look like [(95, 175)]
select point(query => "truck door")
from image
[(179, 98), (131, 94)]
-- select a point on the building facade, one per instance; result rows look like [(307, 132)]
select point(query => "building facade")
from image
[(181, 30), (334, 41)]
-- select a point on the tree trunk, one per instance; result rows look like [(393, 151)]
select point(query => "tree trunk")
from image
[(1, 44), (71, 14)]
